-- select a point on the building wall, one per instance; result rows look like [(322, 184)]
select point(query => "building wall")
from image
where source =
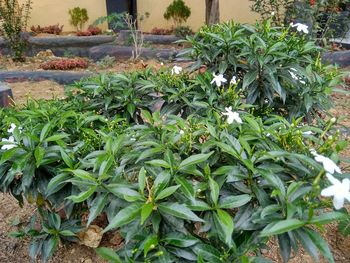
[(49, 12), (239, 10)]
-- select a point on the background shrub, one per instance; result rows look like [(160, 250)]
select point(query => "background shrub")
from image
[(13, 21), (54, 29), (65, 64), (178, 11), (278, 70), (78, 17)]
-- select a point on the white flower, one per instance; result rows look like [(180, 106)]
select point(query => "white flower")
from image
[(308, 133), (218, 79), (328, 164), (340, 191), (233, 80), (12, 128), (176, 70), (10, 143), (161, 63), (232, 116), (182, 132), (294, 76), (272, 13), (333, 120), (301, 27)]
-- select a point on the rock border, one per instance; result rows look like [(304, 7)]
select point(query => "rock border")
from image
[(125, 52), (341, 58), (61, 77), (60, 45), (125, 35)]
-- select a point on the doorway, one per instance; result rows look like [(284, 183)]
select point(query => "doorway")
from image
[(121, 6)]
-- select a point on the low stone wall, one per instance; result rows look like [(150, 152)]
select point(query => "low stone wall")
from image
[(341, 58), (61, 45), (61, 77), (124, 38), (124, 52)]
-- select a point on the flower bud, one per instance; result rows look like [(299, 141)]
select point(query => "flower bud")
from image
[(333, 120)]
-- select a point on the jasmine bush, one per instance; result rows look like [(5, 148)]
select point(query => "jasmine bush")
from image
[(180, 164), (279, 69)]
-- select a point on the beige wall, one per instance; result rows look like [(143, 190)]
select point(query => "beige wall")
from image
[(238, 10), (49, 12)]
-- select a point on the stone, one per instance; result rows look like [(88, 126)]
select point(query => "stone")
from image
[(6, 96), (341, 58), (125, 52), (91, 237), (60, 77)]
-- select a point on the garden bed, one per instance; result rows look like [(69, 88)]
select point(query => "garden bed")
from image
[(15, 251)]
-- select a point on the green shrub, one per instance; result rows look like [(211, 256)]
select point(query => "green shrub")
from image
[(178, 11), (13, 21), (183, 169), (183, 31), (78, 17), (279, 70)]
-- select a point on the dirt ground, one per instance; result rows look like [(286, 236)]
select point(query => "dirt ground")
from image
[(16, 251)]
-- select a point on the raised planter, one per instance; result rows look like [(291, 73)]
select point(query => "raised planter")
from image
[(341, 58), (60, 77), (124, 37), (60, 45), (124, 52), (6, 96)]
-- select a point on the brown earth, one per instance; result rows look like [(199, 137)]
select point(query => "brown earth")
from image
[(16, 251)]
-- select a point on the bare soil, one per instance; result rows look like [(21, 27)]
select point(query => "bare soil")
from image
[(16, 251)]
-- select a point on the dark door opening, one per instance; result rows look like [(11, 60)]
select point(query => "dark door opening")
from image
[(122, 6)]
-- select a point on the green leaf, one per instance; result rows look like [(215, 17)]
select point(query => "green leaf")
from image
[(180, 240), (124, 192), (124, 216), (108, 254), (146, 211), (194, 159), (167, 192), (142, 180), (97, 207), (234, 201), (49, 247), (226, 224), (281, 227), (320, 243), (326, 218), (45, 131), (150, 243), (83, 196), (179, 210), (186, 187), (214, 191), (56, 183), (39, 155), (56, 137), (159, 163), (67, 233), (249, 77), (83, 175)]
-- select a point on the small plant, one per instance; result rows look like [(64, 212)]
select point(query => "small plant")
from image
[(78, 17), (178, 11), (183, 31), (54, 29), (136, 36), (13, 21), (91, 31), (161, 31), (47, 234), (65, 64), (106, 62), (115, 21)]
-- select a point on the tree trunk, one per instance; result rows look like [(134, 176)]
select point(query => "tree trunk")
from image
[(212, 12)]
